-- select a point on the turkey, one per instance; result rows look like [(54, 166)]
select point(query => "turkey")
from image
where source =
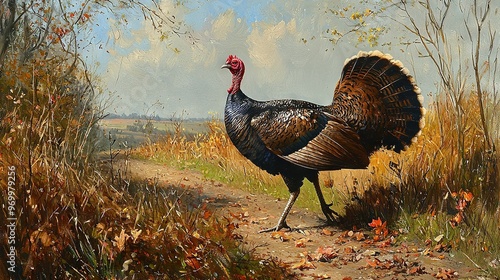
[(376, 104)]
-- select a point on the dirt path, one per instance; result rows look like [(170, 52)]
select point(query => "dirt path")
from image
[(315, 251)]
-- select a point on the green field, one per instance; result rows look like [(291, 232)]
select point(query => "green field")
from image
[(133, 132)]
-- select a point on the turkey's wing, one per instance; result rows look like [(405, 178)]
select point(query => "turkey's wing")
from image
[(310, 138)]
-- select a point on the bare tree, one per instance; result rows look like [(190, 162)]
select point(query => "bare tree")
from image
[(450, 58), (32, 26), (7, 26)]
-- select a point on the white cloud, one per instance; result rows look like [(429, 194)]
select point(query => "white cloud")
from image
[(278, 63)]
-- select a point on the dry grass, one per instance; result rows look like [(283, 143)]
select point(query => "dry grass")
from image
[(75, 219)]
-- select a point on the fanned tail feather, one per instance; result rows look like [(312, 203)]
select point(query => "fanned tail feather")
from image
[(378, 97)]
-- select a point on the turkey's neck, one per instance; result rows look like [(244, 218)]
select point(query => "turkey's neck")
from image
[(236, 82)]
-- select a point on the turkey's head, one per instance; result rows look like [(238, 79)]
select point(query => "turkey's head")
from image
[(237, 68)]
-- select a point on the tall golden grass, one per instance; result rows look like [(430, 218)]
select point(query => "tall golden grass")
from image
[(76, 218)]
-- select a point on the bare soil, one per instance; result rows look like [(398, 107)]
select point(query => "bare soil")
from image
[(313, 250)]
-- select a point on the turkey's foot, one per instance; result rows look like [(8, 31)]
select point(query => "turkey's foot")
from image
[(282, 221), (332, 217), (278, 227)]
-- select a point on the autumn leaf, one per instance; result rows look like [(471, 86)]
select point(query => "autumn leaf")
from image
[(283, 236), (303, 264), (446, 274), (207, 214), (326, 232), (457, 219), (467, 196), (135, 234), (301, 243), (230, 228), (100, 228), (416, 270), (321, 276), (359, 236), (240, 215), (380, 229), (326, 254), (349, 250), (328, 183), (439, 238), (375, 223), (373, 262), (120, 240), (461, 204)]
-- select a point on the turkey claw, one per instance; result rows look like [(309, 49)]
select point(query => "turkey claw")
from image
[(332, 217), (276, 228)]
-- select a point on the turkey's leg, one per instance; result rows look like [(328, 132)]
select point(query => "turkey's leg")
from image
[(282, 221), (330, 214)]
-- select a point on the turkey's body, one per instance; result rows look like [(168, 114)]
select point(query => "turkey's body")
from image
[(376, 104), (239, 112)]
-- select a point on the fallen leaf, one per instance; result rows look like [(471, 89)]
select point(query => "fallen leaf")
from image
[(380, 229), (303, 264), (239, 215), (283, 236), (426, 252), (359, 236), (441, 248), (321, 276), (326, 254), (446, 274), (301, 243), (326, 232), (349, 250), (373, 262), (439, 238), (416, 270), (375, 223), (369, 252)]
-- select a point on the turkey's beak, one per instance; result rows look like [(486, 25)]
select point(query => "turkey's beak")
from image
[(228, 66)]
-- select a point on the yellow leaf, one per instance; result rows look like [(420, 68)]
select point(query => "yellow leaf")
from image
[(135, 234), (119, 240)]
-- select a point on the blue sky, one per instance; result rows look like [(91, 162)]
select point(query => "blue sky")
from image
[(145, 75), (198, 15), (201, 12), (267, 34)]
